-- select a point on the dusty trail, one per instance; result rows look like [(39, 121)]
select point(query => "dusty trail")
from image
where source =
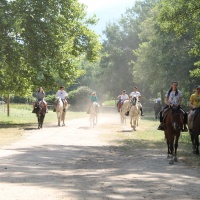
[(73, 163)]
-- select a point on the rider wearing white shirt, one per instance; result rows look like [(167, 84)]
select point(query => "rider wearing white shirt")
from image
[(173, 97), (63, 95), (135, 93), (123, 97)]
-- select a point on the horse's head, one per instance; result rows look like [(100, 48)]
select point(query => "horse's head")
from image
[(176, 117), (41, 108), (134, 100)]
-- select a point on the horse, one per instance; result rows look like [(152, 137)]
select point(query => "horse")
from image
[(172, 128), (157, 108), (40, 111), (59, 111), (194, 129), (124, 108), (134, 113), (94, 114)]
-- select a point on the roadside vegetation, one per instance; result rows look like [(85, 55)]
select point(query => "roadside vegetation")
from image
[(149, 138)]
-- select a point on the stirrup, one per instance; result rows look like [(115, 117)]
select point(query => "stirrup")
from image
[(160, 127)]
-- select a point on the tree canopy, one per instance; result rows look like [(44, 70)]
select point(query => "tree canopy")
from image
[(41, 42)]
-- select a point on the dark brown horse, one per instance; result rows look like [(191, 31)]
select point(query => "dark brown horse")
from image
[(40, 112), (173, 127), (195, 132)]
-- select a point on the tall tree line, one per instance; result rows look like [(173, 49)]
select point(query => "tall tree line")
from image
[(154, 43)]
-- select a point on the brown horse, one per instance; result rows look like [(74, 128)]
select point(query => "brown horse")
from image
[(40, 112), (173, 126), (195, 131)]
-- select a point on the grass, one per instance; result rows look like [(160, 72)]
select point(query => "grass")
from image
[(147, 137), (21, 118)]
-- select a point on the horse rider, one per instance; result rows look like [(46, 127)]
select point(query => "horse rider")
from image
[(157, 100), (40, 97), (121, 98), (63, 95), (195, 105), (173, 97), (93, 98), (135, 93)]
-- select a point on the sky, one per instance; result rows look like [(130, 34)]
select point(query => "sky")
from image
[(107, 11)]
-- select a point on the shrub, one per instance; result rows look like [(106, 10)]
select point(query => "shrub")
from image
[(79, 98)]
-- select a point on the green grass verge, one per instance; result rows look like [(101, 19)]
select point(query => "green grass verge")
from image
[(149, 138)]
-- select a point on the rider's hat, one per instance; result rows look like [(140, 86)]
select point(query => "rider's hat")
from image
[(62, 87), (123, 90), (197, 86)]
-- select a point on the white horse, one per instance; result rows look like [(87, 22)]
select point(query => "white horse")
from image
[(124, 108), (134, 112), (59, 111), (94, 114)]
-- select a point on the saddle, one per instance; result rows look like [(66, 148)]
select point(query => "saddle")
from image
[(192, 116)]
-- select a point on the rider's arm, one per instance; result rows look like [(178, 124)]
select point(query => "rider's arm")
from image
[(167, 101)]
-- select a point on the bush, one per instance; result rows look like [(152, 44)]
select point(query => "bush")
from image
[(79, 98), (17, 99), (50, 98)]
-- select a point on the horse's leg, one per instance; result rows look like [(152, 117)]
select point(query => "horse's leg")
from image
[(38, 122), (171, 149), (176, 147), (196, 139), (63, 118), (58, 117), (193, 142)]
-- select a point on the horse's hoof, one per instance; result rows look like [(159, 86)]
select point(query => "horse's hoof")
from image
[(175, 159), (171, 162)]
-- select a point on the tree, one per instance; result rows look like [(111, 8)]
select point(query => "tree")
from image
[(41, 42), (182, 17)]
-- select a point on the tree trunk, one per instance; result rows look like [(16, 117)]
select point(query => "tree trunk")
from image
[(8, 105)]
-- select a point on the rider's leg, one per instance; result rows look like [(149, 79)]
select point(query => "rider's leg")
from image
[(34, 106), (185, 119), (88, 110), (65, 105), (141, 111), (46, 107), (160, 127), (54, 105)]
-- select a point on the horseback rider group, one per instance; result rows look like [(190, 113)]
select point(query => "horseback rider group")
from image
[(124, 97), (173, 98)]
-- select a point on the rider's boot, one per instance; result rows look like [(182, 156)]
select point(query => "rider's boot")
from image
[(185, 129), (127, 113), (141, 112), (160, 127)]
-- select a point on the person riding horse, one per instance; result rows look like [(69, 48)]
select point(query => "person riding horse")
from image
[(122, 98), (40, 97), (195, 105), (63, 95), (172, 98), (135, 93), (93, 98)]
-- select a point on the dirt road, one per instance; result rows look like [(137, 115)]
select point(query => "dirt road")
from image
[(74, 163)]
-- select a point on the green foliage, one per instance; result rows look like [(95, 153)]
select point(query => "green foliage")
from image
[(41, 42), (50, 98), (79, 98), (22, 100)]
